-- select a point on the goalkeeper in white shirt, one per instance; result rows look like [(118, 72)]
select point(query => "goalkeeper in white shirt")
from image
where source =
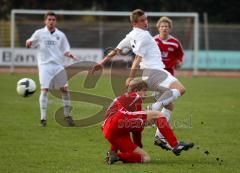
[(148, 56), (52, 46)]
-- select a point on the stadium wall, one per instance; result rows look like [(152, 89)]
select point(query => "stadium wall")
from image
[(216, 60)]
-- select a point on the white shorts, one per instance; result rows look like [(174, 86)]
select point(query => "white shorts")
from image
[(52, 76), (169, 80), (158, 79)]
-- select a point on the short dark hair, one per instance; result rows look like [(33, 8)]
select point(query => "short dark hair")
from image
[(50, 13), (135, 15)]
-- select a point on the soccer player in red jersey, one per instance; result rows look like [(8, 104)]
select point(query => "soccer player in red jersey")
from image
[(171, 48), (172, 57), (125, 116)]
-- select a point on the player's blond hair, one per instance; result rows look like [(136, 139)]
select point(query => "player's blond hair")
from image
[(136, 85), (166, 20), (135, 15)]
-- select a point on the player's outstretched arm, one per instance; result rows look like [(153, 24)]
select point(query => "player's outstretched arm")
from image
[(134, 68), (109, 56)]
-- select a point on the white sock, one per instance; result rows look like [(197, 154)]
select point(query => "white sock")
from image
[(43, 101), (166, 98), (176, 94), (156, 106), (167, 114), (170, 98), (66, 103)]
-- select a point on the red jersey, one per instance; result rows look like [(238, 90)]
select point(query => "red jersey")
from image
[(127, 102), (171, 50), (123, 116)]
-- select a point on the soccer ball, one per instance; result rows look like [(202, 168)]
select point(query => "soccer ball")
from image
[(26, 87)]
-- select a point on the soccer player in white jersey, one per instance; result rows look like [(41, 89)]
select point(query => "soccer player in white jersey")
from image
[(148, 56), (52, 46)]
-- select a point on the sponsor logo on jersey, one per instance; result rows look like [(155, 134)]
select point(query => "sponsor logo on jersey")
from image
[(164, 54), (57, 37), (50, 42)]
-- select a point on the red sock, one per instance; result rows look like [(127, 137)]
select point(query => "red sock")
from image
[(130, 157), (166, 131)]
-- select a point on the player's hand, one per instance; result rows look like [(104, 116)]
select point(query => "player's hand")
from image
[(71, 55), (96, 68), (74, 57), (28, 44), (128, 81), (178, 65)]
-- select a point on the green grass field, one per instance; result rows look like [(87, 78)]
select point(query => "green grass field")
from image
[(208, 115)]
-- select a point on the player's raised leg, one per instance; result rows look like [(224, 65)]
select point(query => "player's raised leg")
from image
[(163, 82)]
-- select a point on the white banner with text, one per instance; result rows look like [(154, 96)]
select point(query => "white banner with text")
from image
[(28, 57)]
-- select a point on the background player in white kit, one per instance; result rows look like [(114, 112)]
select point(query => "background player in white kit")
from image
[(52, 46), (148, 56)]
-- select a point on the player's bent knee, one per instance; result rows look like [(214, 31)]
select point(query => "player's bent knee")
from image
[(179, 86), (182, 90)]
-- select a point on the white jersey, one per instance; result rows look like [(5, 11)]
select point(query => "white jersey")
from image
[(144, 45), (52, 46)]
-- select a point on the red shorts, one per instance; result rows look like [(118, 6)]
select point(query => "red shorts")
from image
[(117, 129), (123, 143)]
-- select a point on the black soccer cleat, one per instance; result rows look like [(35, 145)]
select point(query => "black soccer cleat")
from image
[(43, 123), (69, 120), (182, 146), (111, 157), (161, 142)]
